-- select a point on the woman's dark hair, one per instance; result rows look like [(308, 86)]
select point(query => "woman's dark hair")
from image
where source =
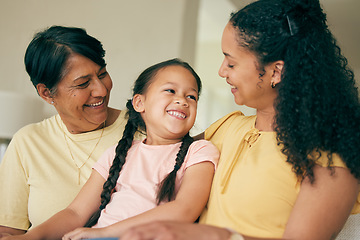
[(317, 108), (47, 54), (135, 123)]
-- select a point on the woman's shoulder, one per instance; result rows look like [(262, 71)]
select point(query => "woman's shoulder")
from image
[(231, 122), (325, 159), (39, 131), (236, 116), (38, 127)]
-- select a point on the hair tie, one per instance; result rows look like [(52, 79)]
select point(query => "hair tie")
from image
[(290, 27)]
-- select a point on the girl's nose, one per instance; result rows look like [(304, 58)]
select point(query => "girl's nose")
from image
[(182, 102)]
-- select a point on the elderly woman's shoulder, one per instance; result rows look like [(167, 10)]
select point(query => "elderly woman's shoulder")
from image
[(47, 125)]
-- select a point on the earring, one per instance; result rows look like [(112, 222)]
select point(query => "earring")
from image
[(52, 103), (273, 85)]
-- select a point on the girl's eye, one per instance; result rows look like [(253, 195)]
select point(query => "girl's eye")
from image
[(192, 97), (230, 66), (170, 90)]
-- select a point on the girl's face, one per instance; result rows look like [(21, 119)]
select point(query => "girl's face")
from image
[(82, 96), (169, 105), (240, 70)]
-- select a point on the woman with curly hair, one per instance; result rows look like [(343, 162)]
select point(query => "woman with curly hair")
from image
[(291, 171)]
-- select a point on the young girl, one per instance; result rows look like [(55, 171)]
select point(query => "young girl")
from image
[(167, 176)]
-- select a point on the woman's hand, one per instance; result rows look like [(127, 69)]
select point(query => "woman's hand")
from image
[(2, 235), (175, 230), (8, 231), (7, 236), (84, 233)]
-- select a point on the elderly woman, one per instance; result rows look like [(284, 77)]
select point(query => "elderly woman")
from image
[(47, 163)]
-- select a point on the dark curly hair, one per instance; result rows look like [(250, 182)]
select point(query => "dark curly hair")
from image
[(135, 123), (317, 108)]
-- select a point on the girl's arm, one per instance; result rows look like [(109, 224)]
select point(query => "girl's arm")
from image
[(187, 206), (319, 213), (75, 215)]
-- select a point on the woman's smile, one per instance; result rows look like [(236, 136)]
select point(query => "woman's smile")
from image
[(95, 104)]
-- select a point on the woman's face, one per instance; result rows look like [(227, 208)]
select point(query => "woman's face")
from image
[(240, 69), (82, 95)]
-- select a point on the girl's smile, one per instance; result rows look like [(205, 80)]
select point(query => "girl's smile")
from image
[(177, 114), (169, 105)]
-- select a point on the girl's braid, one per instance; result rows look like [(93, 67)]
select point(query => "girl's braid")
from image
[(134, 122), (167, 186)]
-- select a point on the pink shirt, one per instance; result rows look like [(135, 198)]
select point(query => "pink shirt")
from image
[(146, 166)]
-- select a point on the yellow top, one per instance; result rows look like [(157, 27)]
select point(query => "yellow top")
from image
[(38, 176), (254, 188)]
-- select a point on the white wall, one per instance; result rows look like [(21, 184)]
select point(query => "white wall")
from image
[(139, 33), (135, 35), (216, 99)]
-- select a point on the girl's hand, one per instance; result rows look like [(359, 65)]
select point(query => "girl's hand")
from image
[(84, 233), (175, 230)]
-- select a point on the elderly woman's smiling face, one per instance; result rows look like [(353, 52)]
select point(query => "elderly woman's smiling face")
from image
[(82, 95)]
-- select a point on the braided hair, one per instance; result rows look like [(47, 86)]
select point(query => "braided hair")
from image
[(317, 108), (167, 186), (135, 123)]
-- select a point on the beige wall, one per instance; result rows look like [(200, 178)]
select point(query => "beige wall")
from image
[(138, 33), (216, 100), (135, 35)]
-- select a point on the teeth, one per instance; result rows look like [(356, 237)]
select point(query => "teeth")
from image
[(232, 86), (177, 114), (96, 104)]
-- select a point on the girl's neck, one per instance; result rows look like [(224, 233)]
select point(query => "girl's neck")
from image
[(265, 120), (160, 141)]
